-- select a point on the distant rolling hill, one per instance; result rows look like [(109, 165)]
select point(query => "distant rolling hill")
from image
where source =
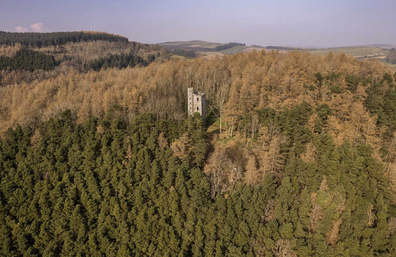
[(189, 44), (380, 52), (208, 49), (215, 49), (386, 46), (211, 49), (361, 52)]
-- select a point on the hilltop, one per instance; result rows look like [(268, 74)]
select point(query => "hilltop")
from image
[(30, 56), (193, 44), (204, 48), (30, 39)]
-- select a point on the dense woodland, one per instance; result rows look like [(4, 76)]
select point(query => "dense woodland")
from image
[(27, 60), (105, 161), (119, 61), (32, 39), (185, 53), (227, 46), (106, 187), (21, 64)]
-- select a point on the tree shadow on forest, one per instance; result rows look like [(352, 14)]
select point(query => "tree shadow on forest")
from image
[(213, 125)]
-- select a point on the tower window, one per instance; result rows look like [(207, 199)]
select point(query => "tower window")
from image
[(197, 108), (197, 99)]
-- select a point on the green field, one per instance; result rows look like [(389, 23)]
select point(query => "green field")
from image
[(360, 51)]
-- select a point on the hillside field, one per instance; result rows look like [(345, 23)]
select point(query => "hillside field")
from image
[(193, 43), (358, 51)]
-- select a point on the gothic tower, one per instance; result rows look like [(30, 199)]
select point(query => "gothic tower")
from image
[(196, 103)]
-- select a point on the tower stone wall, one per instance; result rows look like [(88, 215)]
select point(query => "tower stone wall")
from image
[(196, 103)]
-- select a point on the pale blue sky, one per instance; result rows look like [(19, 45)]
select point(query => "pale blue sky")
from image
[(276, 22)]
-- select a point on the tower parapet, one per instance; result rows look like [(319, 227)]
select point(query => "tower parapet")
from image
[(196, 103)]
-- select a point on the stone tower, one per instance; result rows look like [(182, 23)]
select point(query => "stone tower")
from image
[(196, 103)]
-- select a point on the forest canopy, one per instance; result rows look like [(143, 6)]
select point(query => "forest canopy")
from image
[(26, 64), (32, 39), (28, 60), (299, 158), (137, 188)]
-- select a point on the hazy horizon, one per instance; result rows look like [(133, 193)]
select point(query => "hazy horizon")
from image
[(304, 24)]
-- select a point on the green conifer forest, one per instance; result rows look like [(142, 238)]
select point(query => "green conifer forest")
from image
[(111, 188)]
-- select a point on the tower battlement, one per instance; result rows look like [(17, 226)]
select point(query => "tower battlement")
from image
[(196, 103)]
